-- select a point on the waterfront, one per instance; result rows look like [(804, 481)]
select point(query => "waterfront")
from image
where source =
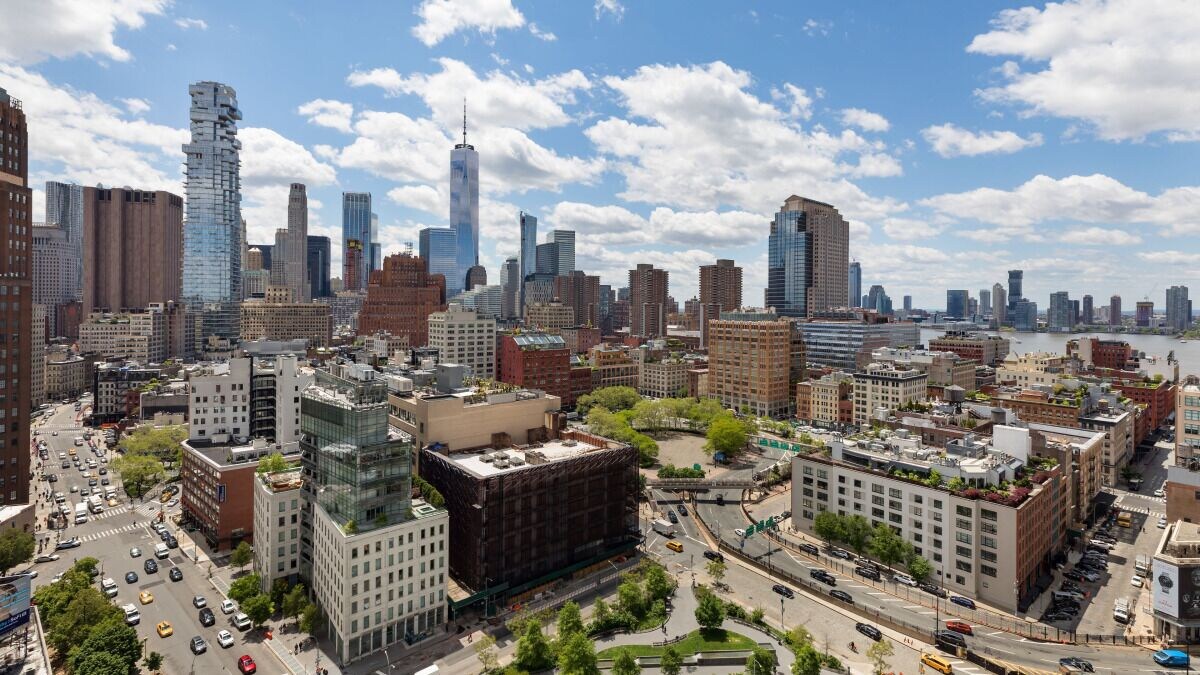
[(1188, 353)]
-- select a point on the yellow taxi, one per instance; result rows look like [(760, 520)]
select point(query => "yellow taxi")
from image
[(112, 502), (164, 629), (675, 546), (146, 597)]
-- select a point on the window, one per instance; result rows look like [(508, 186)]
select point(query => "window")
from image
[(876, 488), (877, 500), (987, 555), (962, 523), (963, 510), (988, 542), (963, 551), (896, 518), (987, 514), (964, 566), (962, 537), (895, 505), (895, 493), (877, 513), (987, 570)]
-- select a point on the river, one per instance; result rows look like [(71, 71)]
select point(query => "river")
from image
[(1159, 346)]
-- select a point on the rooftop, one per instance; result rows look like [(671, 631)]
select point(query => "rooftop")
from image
[(1181, 541), (282, 481), (488, 462), (227, 455)]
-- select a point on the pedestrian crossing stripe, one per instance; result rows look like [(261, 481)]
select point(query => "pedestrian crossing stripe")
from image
[(108, 533)]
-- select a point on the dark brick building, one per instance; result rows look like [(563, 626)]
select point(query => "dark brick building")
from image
[(536, 361)]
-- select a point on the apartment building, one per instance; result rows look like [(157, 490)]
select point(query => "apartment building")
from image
[(754, 359), (1027, 370), (1183, 476), (882, 387), (828, 401), (536, 361), (993, 549), (612, 366), (663, 377), (549, 316), (989, 350), (277, 317), (137, 336), (945, 369), (846, 344), (247, 398), (464, 337), (115, 386), (66, 375), (278, 509)]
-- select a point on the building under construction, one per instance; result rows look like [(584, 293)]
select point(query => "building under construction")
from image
[(522, 517)]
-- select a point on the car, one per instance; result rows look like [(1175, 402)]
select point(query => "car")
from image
[(74, 489), (246, 665), (810, 549), (842, 595), (739, 532), (823, 577), (783, 590), (73, 542), (682, 510), (176, 574), (869, 630), (145, 597), (31, 573), (672, 517), (65, 464), (840, 553), (241, 621), (103, 471), (1055, 617), (47, 558), (714, 555), (172, 542), (949, 637), (960, 627), (1136, 582), (867, 573), (198, 645), (135, 552), (164, 629), (1076, 663), (1171, 657), (158, 528), (150, 567), (228, 606), (904, 579), (92, 482), (56, 578), (112, 501), (1073, 575), (207, 618), (225, 639), (933, 589), (164, 534), (198, 601), (84, 492), (54, 433), (52, 478), (1160, 493), (1162, 521), (131, 577), (963, 602)]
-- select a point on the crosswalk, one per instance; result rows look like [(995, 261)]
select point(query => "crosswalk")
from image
[(97, 536)]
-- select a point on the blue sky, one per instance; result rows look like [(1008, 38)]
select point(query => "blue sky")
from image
[(960, 138)]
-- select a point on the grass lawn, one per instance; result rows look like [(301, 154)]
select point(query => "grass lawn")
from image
[(696, 641)]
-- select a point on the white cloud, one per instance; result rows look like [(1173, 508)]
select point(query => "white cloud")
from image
[(864, 119), (817, 27), (423, 197), (136, 106), (33, 30), (1099, 236), (442, 18), (798, 100), (328, 113), (910, 228), (1129, 68), (171, 47), (616, 225), (188, 23), (270, 163), (540, 34), (613, 7), (949, 140), (1170, 257), (695, 138)]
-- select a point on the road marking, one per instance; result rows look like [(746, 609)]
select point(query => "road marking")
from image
[(894, 600), (999, 632), (928, 613), (876, 593), (912, 607)]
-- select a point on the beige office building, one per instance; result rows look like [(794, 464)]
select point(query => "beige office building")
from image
[(136, 336), (468, 419), (884, 387), (463, 337), (278, 318), (549, 316), (753, 360)]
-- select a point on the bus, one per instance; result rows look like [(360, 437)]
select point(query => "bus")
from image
[(1125, 519)]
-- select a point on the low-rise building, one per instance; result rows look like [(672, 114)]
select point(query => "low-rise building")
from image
[(828, 401), (279, 505), (580, 339), (847, 344), (66, 375), (536, 361), (1034, 368), (945, 369), (137, 336), (277, 317), (988, 350), (218, 487), (612, 366), (987, 538), (525, 515), (117, 390), (549, 316), (1175, 583), (883, 387), (247, 398), (664, 377)]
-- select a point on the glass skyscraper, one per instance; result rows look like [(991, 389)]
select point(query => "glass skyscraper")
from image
[(566, 249), (855, 282), (356, 226), (213, 233), (527, 254), (464, 210), (788, 271), (808, 256), (64, 207), (436, 247)]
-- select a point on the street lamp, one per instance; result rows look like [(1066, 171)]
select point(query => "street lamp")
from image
[(782, 625)]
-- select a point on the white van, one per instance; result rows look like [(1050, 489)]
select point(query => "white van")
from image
[(1121, 610), (109, 587), (161, 551), (132, 616)]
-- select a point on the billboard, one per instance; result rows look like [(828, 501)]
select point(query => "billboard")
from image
[(1176, 590), (15, 593)]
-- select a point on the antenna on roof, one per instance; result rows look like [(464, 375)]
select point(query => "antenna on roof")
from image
[(464, 120)]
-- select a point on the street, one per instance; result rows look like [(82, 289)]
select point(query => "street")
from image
[(110, 535)]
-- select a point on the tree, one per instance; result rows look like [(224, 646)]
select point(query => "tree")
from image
[(259, 608), (797, 637), (757, 615), (726, 435), (138, 472), (244, 588), (569, 620), (279, 588), (716, 570), (294, 602), (857, 533), (808, 661), (158, 442), (625, 664), (577, 656), (919, 568), (533, 652), (659, 586), (242, 555), (485, 651), (614, 399), (886, 545), (761, 662), (601, 615), (100, 663), (630, 598), (153, 661), (710, 613), (828, 526), (310, 618), (878, 654), (112, 637), (672, 661), (16, 547), (86, 610), (272, 463)]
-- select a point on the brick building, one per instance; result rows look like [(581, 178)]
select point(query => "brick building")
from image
[(536, 361), (988, 350), (16, 226), (400, 298)]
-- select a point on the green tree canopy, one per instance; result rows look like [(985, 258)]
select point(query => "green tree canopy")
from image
[(856, 532), (569, 620), (828, 526), (242, 555), (16, 547), (485, 651), (111, 636), (886, 545), (259, 608), (710, 613), (244, 588), (808, 661), (86, 610), (615, 399), (138, 472), (672, 661), (629, 596), (761, 662), (294, 602), (272, 463), (625, 664), (919, 568), (726, 435), (153, 661), (310, 618), (533, 651), (878, 654), (716, 570), (160, 442), (101, 662), (577, 656), (797, 637), (659, 586)]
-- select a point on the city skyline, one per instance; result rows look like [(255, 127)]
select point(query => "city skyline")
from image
[(1005, 174)]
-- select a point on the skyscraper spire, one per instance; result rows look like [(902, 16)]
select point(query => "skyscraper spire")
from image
[(464, 120)]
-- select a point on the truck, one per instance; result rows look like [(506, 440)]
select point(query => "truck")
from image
[(1121, 610), (95, 504), (81, 513), (664, 527), (1141, 566)]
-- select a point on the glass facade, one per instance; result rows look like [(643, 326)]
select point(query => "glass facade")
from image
[(464, 212), (436, 246), (566, 249), (356, 225), (789, 269), (360, 471), (64, 207), (213, 233)]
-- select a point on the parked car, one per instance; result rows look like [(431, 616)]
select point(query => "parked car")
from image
[(964, 602), (842, 595), (1171, 657), (868, 573), (869, 630), (960, 627), (823, 577), (714, 555), (810, 549), (225, 639), (783, 590), (1076, 663), (839, 553), (904, 579), (933, 589)]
